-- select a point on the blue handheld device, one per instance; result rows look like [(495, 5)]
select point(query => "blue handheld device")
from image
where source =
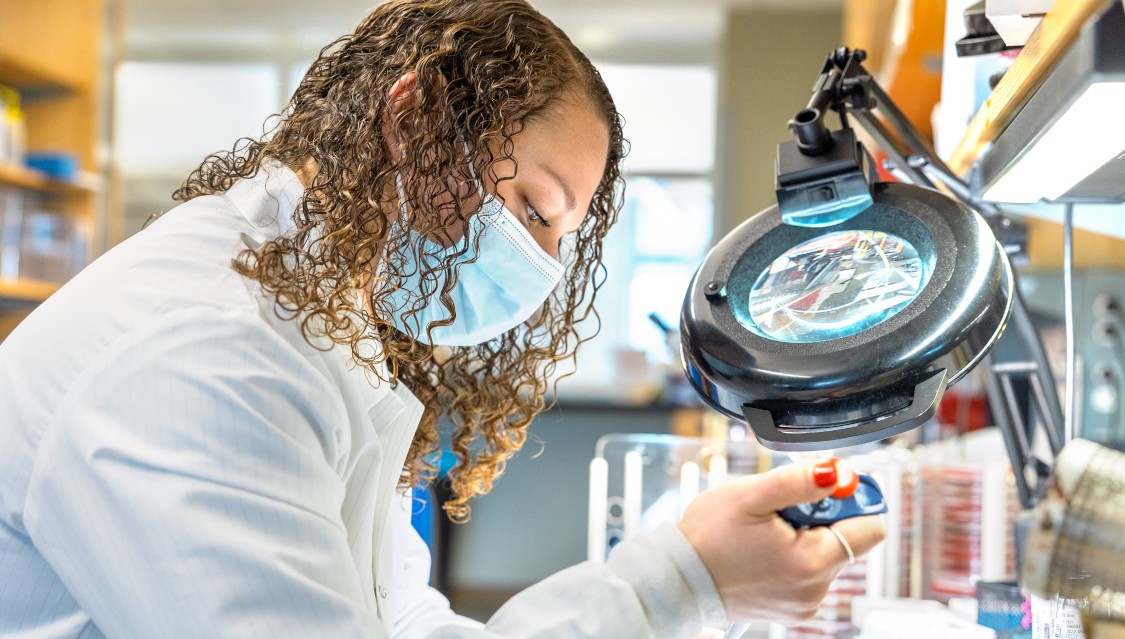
[(866, 500)]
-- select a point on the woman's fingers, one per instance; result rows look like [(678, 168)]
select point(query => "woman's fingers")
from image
[(763, 567), (861, 533), (786, 486)]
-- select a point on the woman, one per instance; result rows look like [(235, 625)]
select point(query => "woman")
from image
[(211, 431)]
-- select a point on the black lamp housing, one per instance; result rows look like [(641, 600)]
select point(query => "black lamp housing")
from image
[(884, 378), (864, 387)]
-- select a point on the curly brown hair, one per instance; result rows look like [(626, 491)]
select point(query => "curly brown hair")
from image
[(485, 69)]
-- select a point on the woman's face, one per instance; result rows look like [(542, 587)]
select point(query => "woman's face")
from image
[(561, 158), (557, 163)]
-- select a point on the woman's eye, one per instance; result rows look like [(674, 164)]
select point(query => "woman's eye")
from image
[(534, 216)]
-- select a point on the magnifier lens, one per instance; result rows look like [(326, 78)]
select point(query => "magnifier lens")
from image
[(835, 285)]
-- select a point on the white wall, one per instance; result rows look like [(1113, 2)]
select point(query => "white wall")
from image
[(769, 62)]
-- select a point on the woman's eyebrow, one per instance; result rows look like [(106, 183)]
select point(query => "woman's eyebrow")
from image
[(571, 201)]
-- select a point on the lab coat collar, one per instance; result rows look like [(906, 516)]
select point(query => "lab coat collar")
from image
[(268, 199)]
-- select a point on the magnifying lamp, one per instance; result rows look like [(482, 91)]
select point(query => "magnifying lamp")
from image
[(840, 315)]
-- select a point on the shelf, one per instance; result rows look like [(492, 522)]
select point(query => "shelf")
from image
[(14, 175), (26, 290), (23, 177), (1051, 39), (27, 77), (60, 55)]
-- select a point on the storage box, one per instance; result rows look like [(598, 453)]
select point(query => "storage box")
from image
[(11, 215), (52, 247)]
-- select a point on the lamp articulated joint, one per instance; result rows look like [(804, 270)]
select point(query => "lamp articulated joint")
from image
[(841, 80), (824, 177)]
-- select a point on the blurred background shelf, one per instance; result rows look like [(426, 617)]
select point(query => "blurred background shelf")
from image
[(13, 175), (59, 56), (27, 75), (19, 176), (22, 290)]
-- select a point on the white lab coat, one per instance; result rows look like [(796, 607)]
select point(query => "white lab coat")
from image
[(177, 461)]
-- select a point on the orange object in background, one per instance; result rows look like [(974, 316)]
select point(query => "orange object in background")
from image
[(964, 411), (879, 156), (910, 72), (915, 83)]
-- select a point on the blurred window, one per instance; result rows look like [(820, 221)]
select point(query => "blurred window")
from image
[(170, 115), (664, 229), (669, 115)]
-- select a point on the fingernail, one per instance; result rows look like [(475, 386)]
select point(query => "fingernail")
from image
[(846, 484), (824, 473)]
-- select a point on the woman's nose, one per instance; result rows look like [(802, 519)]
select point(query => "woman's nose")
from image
[(549, 241)]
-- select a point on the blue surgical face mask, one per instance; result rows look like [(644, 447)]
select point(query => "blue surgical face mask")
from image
[(509, 280)]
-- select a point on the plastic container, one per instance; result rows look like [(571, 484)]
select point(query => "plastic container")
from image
[(11, 217), (1003, 606), (52, 247), (57, 166), (13, 127), (638, 482)]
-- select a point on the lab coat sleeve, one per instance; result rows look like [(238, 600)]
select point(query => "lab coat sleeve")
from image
[(423, 609), (654, 586), (185, 488)]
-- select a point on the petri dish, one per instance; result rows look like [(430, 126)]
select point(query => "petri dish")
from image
[(835, 285)]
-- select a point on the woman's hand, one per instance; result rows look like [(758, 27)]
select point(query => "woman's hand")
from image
[(764, 569)]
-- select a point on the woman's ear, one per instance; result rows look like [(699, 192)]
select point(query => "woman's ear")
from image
[(402, 96)]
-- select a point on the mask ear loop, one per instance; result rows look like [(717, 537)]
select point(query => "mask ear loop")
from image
[(361, 294), (472, 168), (476, 223), (402, 209), (402, 222), (428, 249)]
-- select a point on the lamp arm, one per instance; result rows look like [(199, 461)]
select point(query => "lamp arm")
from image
[(846, 87), (1017, 420)]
